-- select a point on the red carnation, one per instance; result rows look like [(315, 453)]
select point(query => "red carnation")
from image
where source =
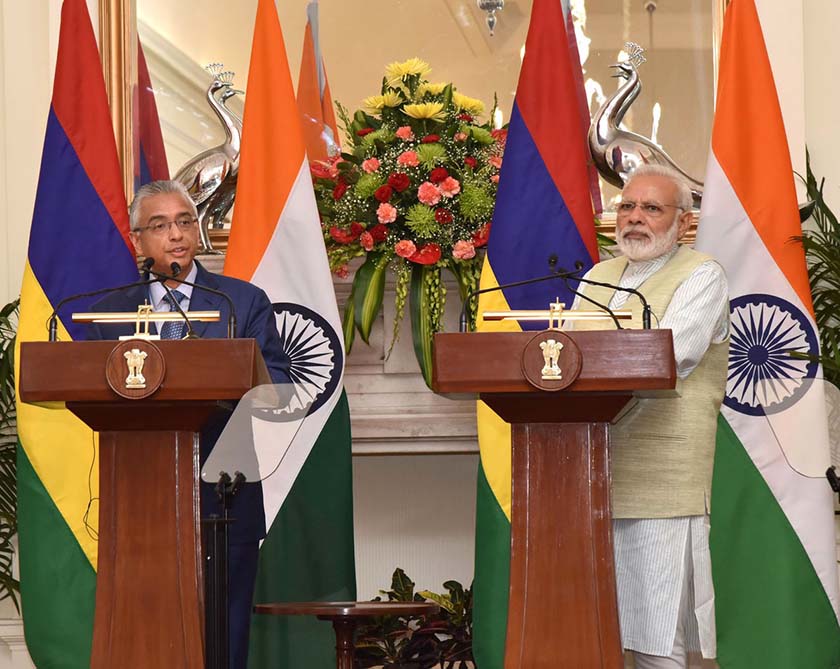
[(430, 139), (356, 228), (345, 236), (438, 174), (320, 170), (364, 131), (340, 189), (427, 255), (481, 235), (378, 232), (399, 181), (499, 135), (383, 193), (470, 161), (443, 216), (465, 117)]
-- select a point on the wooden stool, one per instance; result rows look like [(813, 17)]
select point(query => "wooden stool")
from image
[(345, 617)]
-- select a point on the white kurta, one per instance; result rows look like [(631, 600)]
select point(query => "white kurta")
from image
[(656, 558)]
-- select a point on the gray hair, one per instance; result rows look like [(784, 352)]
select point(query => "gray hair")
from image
[(157, 188), (685, 201)]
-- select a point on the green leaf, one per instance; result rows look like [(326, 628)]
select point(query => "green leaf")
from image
[(422, 314), (348, 321), (368, 290)]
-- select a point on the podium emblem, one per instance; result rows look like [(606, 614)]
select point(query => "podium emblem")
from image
[(135, 369), (551, 352), (551, 360), (134, 360)]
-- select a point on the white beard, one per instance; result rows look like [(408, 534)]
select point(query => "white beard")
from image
[(649, 248)]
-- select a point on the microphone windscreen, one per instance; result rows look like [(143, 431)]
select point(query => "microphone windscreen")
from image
[(176, 269), (147, 264)]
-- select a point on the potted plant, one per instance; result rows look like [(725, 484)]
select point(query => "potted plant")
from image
[(443, 640), (9, 586), (822, 250), (414, 191)]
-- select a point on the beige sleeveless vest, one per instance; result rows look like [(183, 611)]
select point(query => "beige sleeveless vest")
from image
[(662, 451)]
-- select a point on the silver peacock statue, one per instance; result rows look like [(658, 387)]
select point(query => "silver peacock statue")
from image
[(210, 177), (615, 151)]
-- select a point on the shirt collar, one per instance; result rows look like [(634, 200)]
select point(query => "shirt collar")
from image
[(157, 292)]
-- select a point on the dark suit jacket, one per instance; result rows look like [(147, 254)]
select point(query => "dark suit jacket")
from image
[(254, 319)]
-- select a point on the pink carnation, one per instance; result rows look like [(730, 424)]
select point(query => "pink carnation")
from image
[(463, 250), (405, 248), (404, 133), (428, 193), (386, 213), (495, 178), (341, 272), (496, 161), (370, 165), (449, 187), (408, 158), (367, 241), (460, 136)]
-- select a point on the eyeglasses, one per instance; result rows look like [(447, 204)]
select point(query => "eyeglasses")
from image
[(160, 229), (652, 209)]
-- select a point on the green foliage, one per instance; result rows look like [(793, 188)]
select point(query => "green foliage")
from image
[(368, 290), (443, 639), (481, 135), (427, 297), (9, 586), (822, 250)]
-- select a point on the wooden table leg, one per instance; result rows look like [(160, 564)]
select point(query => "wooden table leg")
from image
[(344, 648)]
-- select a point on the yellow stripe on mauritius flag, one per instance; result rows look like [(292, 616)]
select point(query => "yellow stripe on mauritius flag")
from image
[(78, 242), (543, 209), (277, 244), (772, 535)]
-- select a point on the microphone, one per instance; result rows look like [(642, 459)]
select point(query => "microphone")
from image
[(175, 268), (462, 327), (52, 322), (571, 275)]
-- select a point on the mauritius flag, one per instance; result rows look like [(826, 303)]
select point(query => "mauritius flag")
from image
[(543, 209), (772, 538), (277, 244), (78, 242)]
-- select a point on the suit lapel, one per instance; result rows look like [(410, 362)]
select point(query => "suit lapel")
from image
[(203, 300)]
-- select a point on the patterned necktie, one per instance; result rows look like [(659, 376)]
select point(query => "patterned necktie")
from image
[(173, 329)]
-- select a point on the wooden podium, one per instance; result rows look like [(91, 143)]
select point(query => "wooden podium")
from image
[(562, 610), (149, 589)]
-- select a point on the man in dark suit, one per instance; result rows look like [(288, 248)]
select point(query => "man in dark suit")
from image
[(164, 227)]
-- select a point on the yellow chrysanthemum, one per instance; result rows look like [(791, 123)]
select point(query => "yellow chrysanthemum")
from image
[(467, 104), (375, 103), (433, 89), (425, 110), (396, 72)]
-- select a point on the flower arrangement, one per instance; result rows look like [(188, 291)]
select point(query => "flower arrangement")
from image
[(414, 192)]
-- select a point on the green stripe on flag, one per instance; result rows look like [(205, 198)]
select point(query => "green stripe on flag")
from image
[(772, 611), (308, 552), (492, 578), (58, 584)]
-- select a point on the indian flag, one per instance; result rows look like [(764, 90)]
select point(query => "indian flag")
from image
[(772, 540), (276, 243)]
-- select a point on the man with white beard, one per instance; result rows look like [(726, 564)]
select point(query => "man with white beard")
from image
[(662, 451)]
